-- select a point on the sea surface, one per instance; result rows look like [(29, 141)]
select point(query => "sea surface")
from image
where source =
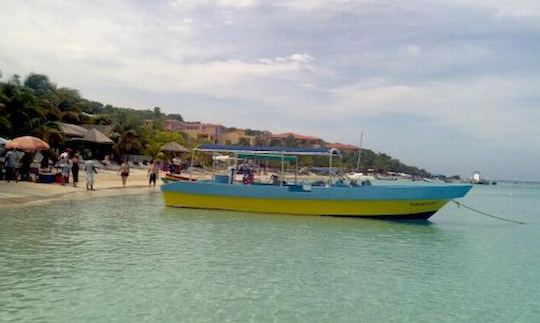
[(130, 259)]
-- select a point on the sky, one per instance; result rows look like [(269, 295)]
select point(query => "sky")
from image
[(450, 86)]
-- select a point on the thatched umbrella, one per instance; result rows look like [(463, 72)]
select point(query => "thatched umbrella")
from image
[(174, 147), (27, 143), (71, 130), (171, 149), (97, 142), (97, 137)]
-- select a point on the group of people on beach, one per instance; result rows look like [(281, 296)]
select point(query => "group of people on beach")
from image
[(17, 166), (152, 172), (69, 164)]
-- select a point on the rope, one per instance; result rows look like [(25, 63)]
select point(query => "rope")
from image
[(459, 204)]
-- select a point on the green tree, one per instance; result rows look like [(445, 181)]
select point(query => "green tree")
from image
[(160, 138), (291, 141), (244, 142), (41, 84), (21, 110), (175, 116), (157, 113), (127, 144)]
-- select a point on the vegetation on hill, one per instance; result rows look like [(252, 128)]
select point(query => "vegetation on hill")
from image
[(31, 107)]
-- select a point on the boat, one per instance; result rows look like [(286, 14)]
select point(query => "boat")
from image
[(382, 177), (359, 177), (335, 197), (476, 178), (177, 177)]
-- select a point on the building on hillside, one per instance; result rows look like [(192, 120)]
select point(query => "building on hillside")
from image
[(196, 130), (344, 148), (172, 125), (236, 137), (302, 140)]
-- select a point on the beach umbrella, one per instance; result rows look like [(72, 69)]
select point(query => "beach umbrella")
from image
[(3, 141), (174, 147), (27, 143)]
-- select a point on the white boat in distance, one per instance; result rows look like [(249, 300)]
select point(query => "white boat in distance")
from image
[(359, 177)]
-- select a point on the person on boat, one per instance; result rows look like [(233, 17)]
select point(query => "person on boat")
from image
[(91, 171), (172, 167), (124, 172), (153, 173), (75, 169), (248, 176)]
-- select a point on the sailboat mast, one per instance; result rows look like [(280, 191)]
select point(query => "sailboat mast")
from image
[(359, 151)]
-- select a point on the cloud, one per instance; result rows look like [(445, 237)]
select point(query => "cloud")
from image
[(433, 70), (500, 8), (192, 4), (217, 78), (490, 108), (505, 8)]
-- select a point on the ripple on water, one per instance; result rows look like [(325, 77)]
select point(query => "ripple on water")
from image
[(131, 259)]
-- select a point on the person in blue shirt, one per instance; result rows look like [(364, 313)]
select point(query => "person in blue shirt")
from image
[(9, 163)]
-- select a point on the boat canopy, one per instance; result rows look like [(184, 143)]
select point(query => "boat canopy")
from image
[(271, 157), (258, 150)]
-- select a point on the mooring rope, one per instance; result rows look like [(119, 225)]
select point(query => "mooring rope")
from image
[(459, 204)]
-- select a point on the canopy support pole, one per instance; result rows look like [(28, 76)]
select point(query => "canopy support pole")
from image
[(330, 170), (296, 171), (233, 175), (213, 167), (282, 168)]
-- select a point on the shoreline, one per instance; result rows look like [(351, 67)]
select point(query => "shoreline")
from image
[(108, 184)]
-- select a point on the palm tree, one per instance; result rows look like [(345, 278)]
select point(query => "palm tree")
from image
[(21, 109)]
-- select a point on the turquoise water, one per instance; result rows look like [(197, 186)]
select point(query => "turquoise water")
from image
[(131, 259)]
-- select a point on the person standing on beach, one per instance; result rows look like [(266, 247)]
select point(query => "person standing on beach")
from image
[(26, 162), (90, 169), (44, 164), (153, 173), (124, 172), (75, 169), (65, 166), (9, 164)]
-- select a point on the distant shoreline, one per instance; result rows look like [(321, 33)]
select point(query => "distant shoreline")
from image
[(510, 181)]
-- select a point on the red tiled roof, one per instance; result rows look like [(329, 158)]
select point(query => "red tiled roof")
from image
[(294, 135), (340, 146)]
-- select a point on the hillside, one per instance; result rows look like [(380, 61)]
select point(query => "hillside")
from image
[(31, 107)]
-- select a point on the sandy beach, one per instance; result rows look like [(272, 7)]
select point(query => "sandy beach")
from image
[(107, 183)]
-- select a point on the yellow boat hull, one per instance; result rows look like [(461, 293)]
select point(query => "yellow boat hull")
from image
[(407, 209)]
